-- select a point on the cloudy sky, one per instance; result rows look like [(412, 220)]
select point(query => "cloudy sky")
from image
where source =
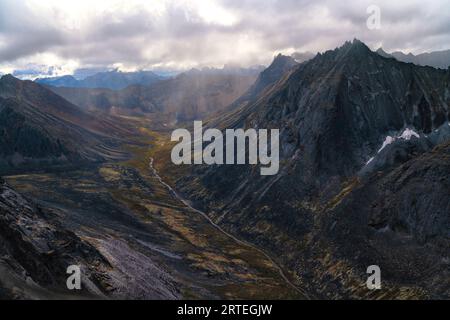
[(57, 37)]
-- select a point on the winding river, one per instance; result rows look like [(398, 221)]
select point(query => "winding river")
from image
[(210, 221)]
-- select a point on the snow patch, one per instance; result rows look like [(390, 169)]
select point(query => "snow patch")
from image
[(408, 134), (387, 142)]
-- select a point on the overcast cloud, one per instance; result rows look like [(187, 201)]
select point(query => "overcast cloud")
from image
[(53, 37)]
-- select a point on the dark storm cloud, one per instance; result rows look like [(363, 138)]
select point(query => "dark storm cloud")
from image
[(22, 33)]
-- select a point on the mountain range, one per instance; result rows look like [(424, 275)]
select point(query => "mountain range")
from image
[(436, 59), (114, 80), (188, 96), (364, 180)]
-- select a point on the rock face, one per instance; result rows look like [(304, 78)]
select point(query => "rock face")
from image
[(279, 69), (36, 249), (335, 113), (402, 201), (113, 80), (397, 219), (38, 127)]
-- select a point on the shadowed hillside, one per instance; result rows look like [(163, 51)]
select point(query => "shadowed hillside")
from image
[(345, 110)]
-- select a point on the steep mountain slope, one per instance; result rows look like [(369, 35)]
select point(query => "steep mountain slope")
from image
[(114, 80), (279, 68), (437, 59), (36, 250), (334, 113), (398, 220), (189, 96), (52, 104), (38, 128)]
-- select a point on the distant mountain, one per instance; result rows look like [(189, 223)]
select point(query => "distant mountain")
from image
[(437, 59), (279, 68), (38, 128), (114, 80), (383, 53), (191, 95), (64, 81), (361, 136)]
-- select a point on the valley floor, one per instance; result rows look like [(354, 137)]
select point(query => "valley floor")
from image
[(158, 247)]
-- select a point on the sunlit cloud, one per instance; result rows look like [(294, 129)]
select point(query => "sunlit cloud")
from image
[(65, 35)]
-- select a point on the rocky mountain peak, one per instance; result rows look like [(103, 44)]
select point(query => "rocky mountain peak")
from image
[(344, 110), (383, 53), (280, 65), (8, 77), (336, 110), (9, 80), (354, 49), (282, 60)]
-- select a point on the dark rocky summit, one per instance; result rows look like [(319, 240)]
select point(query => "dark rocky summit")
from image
[(279, 67), (278, 70), (349, 120)]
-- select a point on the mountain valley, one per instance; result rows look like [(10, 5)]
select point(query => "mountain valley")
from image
[(364, 179)]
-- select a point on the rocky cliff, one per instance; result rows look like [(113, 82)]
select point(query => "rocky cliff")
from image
[(344, 117)]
